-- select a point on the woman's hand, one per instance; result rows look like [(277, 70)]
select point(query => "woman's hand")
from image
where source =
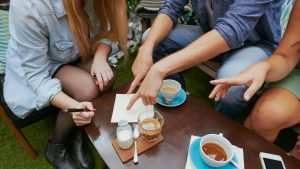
[(253, 77), (149, 88), (140, 67), (102, 71), (83, 118)]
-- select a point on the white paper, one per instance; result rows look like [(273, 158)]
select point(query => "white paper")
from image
[(238, 151), (131, 115)]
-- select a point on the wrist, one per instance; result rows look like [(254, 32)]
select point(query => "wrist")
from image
[(100, 57), (146, 48), (74, 104), (266, 65), (161, 71)]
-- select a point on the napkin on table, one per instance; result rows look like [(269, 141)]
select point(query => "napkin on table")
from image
[(120, 112), (238, 151)]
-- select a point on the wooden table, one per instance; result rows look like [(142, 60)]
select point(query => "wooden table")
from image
[(191, 118)]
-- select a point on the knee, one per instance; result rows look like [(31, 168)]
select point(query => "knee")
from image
[(266, 116), (87, 92)]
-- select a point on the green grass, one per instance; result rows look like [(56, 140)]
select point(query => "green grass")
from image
[(12, 154)]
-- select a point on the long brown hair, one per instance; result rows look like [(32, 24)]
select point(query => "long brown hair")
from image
[(112, 17)]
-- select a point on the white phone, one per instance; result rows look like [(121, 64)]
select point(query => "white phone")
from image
[(271, 161)]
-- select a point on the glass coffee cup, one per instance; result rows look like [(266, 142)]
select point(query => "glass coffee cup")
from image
[(150, 124)]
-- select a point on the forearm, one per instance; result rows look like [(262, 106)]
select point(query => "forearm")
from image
[(63, 101), (280, 67), (160, 29), (204, 48)]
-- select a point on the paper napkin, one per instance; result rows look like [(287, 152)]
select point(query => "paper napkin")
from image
[(238, 151), (120, 112)]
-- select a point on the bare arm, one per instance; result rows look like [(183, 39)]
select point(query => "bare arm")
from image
[(204, 48), (275, 68), (63, 101), (100, 67), (285, 58), (161, 27)]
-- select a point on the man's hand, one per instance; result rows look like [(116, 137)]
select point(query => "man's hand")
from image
[(149, 88), (140, 67)]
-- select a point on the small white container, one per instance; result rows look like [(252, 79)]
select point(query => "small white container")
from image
[(124, 134)]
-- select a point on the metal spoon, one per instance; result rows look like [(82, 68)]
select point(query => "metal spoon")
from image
[(136, 135)]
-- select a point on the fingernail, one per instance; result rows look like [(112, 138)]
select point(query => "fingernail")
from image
[(246, 98)]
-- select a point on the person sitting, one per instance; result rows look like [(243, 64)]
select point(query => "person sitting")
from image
[(238, 33), (278, 107), (55, 50)]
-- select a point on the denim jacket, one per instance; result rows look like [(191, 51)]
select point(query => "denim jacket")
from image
[(240, 22), (41, 41)]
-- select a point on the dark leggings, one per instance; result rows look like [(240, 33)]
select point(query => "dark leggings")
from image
[(78, 83)]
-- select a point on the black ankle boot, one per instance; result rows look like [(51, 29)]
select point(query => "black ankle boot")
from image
[(57, 155), (80, 151)]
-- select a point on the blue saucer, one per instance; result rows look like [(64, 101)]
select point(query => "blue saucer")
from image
[(175, 102), (197, 161)]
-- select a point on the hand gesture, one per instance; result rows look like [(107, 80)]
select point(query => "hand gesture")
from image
[(149, 88), (253, 77), (140, 67)]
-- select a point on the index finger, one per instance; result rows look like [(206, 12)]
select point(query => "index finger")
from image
[(88, 105), (229, 81), (133, 85), (132, 101)]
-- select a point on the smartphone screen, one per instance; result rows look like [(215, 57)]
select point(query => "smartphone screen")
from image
[(273, 164)]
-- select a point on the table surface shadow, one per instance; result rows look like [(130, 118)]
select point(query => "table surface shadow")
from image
[(191, 118)]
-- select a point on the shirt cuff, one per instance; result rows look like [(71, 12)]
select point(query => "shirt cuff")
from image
[(48, 92), (167, 12), (106, 42), (230, 32)]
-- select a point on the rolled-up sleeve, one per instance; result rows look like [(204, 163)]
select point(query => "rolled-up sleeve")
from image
[(174, 9), (240, 19), (105, 41), (30, 34)]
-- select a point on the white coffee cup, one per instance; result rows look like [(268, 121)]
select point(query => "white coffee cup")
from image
[(170, 95), (222, 142)]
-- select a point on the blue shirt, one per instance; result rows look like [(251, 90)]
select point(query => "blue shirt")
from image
[(41, 41), (240, 22)]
